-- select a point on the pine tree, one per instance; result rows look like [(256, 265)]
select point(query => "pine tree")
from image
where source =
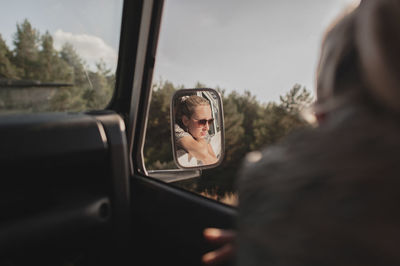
[(7, 69), (296, 99), (159, 153), (71, 57), (99, 93), (53, 67), (26, 42)]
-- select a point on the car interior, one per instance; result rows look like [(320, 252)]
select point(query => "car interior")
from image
[(74, 189)]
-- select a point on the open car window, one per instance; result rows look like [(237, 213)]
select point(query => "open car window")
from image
[(58, 55), (260, 55)]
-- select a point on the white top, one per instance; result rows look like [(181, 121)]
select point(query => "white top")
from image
[(183, 157)]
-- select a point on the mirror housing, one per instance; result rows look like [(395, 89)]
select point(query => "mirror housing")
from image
[(197, 128)]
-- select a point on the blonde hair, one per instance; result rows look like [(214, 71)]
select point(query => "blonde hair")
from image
[(186, 107)]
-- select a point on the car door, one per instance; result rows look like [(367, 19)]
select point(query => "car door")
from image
[(73, 186), (167, 221)]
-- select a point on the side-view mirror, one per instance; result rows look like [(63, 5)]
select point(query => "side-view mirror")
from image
[(197, 128)]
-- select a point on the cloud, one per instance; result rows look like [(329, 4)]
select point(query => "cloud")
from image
[(90, 48)]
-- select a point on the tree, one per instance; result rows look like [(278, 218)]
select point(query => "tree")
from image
[(221, 180), (71, 57), (247, 105), (98, 94), (35, 58), (158, 148), (7, 69), (276, 121), (249, 126), (296, 99), (26, 52), (53, 67)]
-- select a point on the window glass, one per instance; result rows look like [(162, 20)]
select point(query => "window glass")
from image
[(260, 55), (58, 55)]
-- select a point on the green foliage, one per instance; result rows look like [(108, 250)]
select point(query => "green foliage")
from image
[(52, 67), (248, 106), (158, 147), (26, 52), (249, 125), (234, 130), (77, 67), (34, 58), (7, 69), (101, 87), (296, 99)]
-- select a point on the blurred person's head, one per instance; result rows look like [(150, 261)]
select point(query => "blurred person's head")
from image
[(360, 59), (338, 77), (378, 42)]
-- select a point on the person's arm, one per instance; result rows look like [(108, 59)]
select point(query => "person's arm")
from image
[(212, 158), (195, 148), (223, 254), (211, 151), (199, 149)]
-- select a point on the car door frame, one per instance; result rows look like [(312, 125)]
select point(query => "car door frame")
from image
[(165, 218)]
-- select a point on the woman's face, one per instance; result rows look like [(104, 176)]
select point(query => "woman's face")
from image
[(198, 123)]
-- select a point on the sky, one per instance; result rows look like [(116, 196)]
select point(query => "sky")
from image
[(92, 26), (263, 46)]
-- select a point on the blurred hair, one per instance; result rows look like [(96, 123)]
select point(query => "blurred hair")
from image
[(378, 40), (360, 58), (339, 76)]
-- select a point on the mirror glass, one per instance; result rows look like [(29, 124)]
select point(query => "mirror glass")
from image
[(197, 128)]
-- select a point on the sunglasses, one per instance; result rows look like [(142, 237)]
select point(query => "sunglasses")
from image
[(203, 122)]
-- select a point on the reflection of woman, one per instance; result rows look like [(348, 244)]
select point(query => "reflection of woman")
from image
[(193, 115)]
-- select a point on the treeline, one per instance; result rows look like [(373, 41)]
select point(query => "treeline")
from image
[(249, 125), (34, 59)]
